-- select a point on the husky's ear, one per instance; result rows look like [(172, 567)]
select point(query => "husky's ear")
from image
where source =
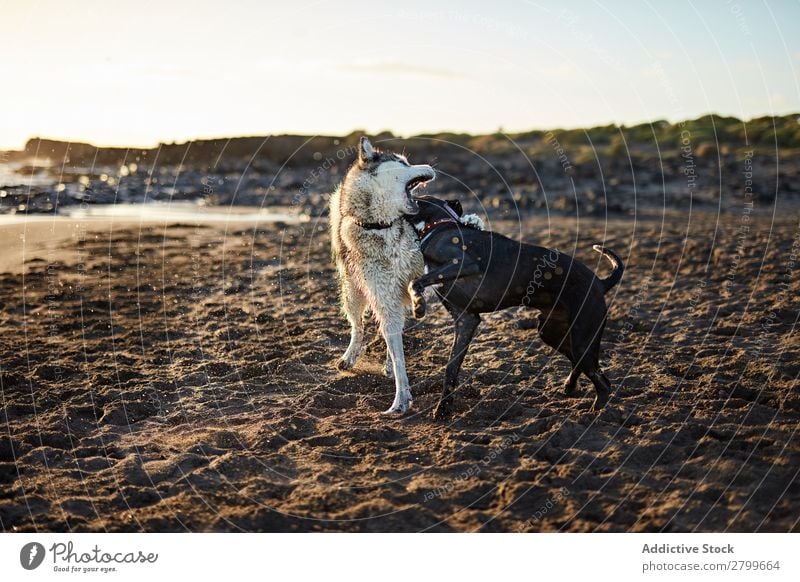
[(365, 150), (455, 205)]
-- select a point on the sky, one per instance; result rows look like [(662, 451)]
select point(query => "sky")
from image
[(139, 73)]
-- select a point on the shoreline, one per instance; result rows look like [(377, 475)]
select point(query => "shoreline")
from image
[(25, 238)]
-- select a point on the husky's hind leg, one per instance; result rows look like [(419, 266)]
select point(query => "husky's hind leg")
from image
[(353, 305)]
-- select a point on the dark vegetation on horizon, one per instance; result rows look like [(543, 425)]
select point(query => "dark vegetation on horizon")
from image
[(595, 171), (708, 134)]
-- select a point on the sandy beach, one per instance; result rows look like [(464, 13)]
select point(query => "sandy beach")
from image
[(174, 377)]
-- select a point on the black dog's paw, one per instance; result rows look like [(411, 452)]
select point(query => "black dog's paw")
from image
[(599, 403), (419, 307), (418, 302), (442, 410)]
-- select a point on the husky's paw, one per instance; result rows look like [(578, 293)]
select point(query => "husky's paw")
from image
[(344, 363), (399, 406), (349, 358)]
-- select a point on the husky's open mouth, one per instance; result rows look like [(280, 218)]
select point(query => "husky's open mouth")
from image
[(418, 181), (414, 183)]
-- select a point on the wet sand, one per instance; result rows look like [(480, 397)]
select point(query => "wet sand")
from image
[(180, 377)]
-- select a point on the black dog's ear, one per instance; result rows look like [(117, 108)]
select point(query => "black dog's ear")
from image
[(455, 205)]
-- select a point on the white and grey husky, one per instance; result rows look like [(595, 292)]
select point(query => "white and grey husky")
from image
[(377, 254)]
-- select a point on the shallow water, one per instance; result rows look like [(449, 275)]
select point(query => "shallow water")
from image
[(158, 212), (10, 175)]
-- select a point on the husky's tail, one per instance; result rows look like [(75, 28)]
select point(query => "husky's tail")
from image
[(616, 262)]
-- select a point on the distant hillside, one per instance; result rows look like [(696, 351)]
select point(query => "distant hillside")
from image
[(707, 135)]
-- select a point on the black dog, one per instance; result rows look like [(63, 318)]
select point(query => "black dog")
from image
[(481, 271)]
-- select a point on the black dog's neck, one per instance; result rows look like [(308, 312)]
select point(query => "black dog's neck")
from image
[(430, 227)]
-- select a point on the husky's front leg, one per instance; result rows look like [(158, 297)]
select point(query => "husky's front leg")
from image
[(392, 331)]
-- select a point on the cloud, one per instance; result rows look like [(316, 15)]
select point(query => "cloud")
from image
[(400, 68), (777, 101)]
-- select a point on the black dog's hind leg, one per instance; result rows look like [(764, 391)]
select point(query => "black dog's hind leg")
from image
[(589, 364), (465, 326), (603, 388)]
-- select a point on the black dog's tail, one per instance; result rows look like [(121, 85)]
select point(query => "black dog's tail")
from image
[(616, 262)]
